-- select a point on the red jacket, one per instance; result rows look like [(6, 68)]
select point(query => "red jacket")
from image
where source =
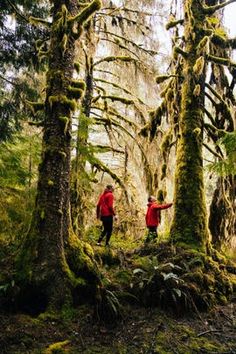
[(154, 212), (105, 204)]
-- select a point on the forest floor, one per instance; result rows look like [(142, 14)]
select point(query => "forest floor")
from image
[(140, 330)]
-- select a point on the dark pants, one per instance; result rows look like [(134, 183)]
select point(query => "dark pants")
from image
[(152, 233), (107, 222)]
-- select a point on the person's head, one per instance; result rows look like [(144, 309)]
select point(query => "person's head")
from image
[(110, 187), (151, 199)]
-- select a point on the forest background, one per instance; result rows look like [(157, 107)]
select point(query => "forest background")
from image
[(91, 95)]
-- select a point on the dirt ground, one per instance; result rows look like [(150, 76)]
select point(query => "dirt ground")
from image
[(140, 330)]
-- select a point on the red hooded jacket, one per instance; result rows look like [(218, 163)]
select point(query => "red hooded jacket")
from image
[(105, 204), (153, 213)]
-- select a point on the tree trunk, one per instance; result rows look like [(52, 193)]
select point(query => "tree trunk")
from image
[(80, 183), (222, 219), (52, 259), (189, 225)]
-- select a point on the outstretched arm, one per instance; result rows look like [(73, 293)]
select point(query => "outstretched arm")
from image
[(162, 206)]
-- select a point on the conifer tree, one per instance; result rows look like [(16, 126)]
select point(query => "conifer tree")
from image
[(192, 53), (52, 261)]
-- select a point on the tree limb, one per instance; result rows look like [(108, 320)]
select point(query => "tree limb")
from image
[(209, 10)]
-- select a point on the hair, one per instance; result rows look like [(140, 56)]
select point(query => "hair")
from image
[(151, 198), (109, 187)]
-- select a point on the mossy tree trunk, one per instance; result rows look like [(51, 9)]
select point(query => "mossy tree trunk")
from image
[(52, 261), (80, 182), (189, 225)]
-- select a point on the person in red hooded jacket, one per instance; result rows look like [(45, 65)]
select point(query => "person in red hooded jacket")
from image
[(153, 217), (106, 213)]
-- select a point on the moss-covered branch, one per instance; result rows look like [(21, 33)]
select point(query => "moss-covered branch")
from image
[(221, 61), (214, 92), (125, 59), (106, 148), (124, 100), (102, 167), (210, 10), (35, 106), (39, 21), (175, 23), (155, 121), (161, 78), (86, 13), (178, 50)]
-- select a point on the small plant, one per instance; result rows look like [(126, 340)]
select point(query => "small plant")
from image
[(108, 308), (160, 285)]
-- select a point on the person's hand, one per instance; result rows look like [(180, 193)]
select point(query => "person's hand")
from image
[(115, 217)]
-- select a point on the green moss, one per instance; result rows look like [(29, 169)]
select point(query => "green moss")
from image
[(62, 154), (203, 45), (36, 106), (39, 21), (62, 99), (57, 348), (63, 43), (120, 99), (80, 84), (86, 13), (166, 143), (50, 183), (65, 120), (197, 90), (75, 92), (199, 66), (174, 23), (185, 341), (42, 214), (77, 67), (178, 50)]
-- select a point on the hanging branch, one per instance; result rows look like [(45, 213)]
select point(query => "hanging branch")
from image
[(147, 51), (119, 87), (117, 42), (105, 148), (212, 151), (18, 12), (106, 72), (113, 112), (209, 10), (102, 167), (125, 59)]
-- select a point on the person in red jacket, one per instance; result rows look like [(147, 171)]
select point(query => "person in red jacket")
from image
[(106, 213), (153, 217)]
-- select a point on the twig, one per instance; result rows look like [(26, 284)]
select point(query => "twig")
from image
[(209, 331)]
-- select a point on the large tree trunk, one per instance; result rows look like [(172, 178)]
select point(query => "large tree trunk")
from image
[(189, 224), (52, 258)]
